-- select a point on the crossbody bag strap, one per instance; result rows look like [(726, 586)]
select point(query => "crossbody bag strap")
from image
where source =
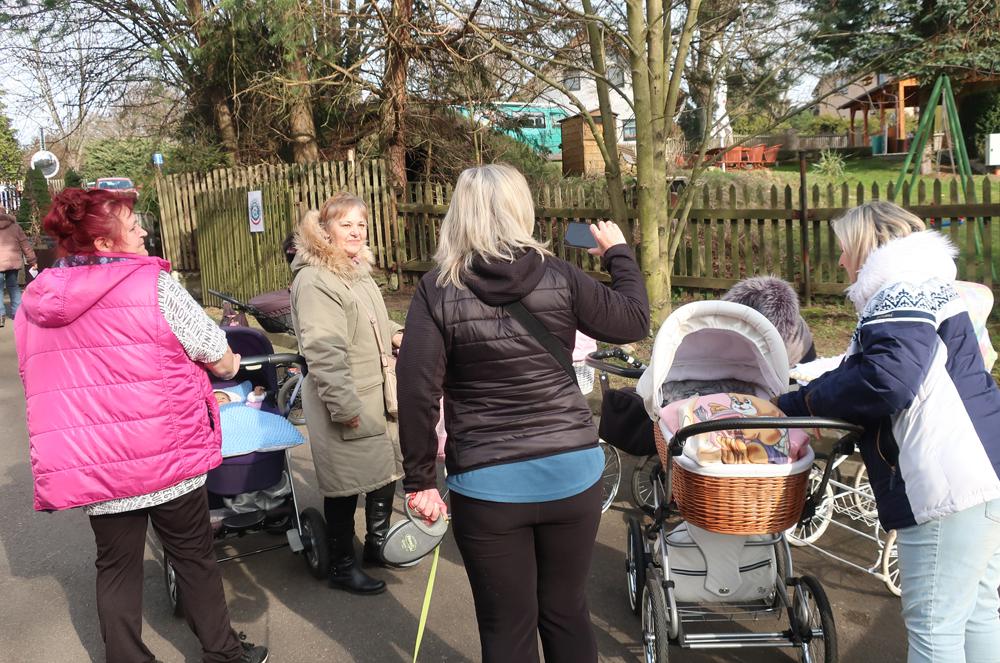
[(518, 311)]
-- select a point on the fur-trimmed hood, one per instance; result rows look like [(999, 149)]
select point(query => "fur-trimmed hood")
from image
[(314, 248), (915, 258), (777, 301)]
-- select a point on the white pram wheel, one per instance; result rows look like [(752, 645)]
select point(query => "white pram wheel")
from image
[(810, 531), (890, 564), (655, 619), (812, 611), (864, 498), (611, 478), (635, 564)]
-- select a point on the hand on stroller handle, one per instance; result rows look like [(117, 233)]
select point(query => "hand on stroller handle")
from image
[(257, 362)]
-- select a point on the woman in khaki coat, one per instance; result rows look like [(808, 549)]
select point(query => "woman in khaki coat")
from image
[(355, 444)]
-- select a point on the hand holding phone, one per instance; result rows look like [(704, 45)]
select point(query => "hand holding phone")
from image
[(579, 236), (599, 237)]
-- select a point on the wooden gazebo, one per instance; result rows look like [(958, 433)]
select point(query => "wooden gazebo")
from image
[(898, 94)]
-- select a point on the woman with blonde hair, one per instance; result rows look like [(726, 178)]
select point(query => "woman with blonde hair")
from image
[(344, 333), (491, 328), (914, 377)]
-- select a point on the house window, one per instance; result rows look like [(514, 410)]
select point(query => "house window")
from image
[(616, 75), (531, 121), (571, 80), (628, 130)]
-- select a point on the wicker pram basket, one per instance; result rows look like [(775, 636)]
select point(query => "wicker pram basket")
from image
[(743, 505)]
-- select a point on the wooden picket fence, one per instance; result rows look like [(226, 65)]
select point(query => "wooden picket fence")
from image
[(185, 197), (734, 232)]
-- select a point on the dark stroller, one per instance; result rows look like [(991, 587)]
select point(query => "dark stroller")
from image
[(262, 477)]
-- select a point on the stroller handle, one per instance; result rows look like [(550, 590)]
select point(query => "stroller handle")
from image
[(280, 359), (854, 431), (633, 372)]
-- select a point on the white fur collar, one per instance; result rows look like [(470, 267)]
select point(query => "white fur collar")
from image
[(914, 258)]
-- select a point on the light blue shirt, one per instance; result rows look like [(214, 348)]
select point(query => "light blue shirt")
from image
[(537, 480)]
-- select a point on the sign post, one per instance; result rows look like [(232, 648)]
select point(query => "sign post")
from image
[(255, 211)]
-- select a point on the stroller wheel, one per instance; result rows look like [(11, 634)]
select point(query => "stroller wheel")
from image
[(642, 485), (890, 564), (655, 619), (314, 543), (635, 565), (173, 591), (290, 400), (814, 616), (811, 530), (864, 498), (611, 478)]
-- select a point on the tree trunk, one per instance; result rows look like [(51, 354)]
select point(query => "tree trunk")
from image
[(612, 165), (305, 149), (393, 110), (223, 117), (649, 215)]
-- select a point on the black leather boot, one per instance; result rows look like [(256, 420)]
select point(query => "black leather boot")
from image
[(346, 573), (378, 511)]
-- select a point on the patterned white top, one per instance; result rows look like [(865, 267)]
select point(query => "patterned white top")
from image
[(203, 340)]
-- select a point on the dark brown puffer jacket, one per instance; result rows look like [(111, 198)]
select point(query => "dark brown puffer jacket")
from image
[(506, 398)]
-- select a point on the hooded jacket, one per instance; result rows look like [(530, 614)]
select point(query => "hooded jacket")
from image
[(505, 397), (13, 244), (914, 377), (333, 296), (115, 407)]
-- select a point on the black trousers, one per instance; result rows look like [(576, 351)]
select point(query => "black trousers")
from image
[(182, 526), (528, 567)]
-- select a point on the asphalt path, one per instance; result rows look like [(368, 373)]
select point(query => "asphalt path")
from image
[(47, 611)]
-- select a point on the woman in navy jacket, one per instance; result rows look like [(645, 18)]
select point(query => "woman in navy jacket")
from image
[(914, 377)]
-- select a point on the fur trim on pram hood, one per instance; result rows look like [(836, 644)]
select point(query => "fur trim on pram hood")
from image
[(915, 258), (314, 247)]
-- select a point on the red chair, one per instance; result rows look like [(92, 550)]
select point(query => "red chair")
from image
[(770, 157), (755, 156), (733, 158)]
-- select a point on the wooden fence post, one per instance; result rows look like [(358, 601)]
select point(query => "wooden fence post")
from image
[(804, 230)]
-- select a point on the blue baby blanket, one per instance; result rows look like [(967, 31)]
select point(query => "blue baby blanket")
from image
[(246, 429)]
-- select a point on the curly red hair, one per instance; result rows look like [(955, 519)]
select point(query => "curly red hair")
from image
[(77, 218)]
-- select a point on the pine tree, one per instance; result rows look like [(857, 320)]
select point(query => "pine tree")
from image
[(72, 179), (35, 201), (10, 151)]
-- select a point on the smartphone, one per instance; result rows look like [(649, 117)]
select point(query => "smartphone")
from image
[(578, 236)]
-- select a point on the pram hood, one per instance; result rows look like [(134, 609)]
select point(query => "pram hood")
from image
[(714, 340)]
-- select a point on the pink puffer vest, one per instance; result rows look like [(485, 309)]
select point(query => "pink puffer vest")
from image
[(115, 408)]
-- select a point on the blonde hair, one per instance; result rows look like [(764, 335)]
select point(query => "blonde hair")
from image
[(339, 205), (866, 227), (491, 215)]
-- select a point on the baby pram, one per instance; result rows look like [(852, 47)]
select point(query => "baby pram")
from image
[(727, 560), (254, 492)]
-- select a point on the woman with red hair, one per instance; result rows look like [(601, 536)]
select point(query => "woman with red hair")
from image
[(122, 422)]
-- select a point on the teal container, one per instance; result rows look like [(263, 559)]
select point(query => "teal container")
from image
[(878, 144)]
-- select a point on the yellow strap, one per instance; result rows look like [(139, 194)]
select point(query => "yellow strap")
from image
[(427, 603)]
